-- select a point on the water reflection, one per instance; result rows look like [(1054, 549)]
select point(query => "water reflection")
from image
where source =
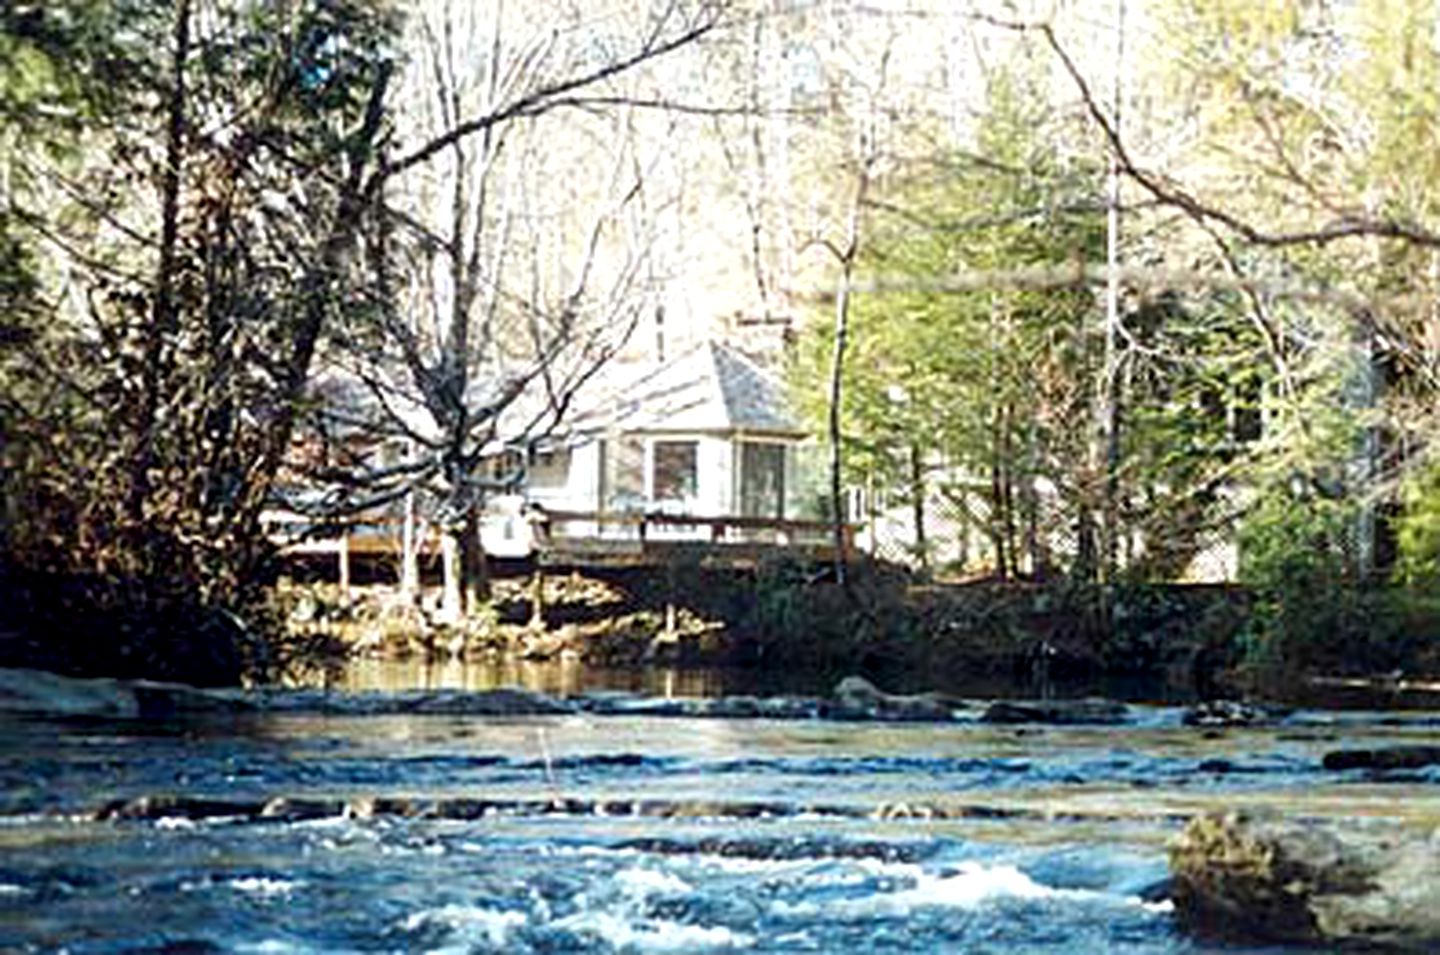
[(568, 677), (563, 678)]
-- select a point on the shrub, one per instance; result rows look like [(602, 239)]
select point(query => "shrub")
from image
[(1311, 608), (1417, 530)]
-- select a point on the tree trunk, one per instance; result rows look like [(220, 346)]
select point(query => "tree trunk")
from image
[(835, 434), (472, 561), (962, 555), (162, 319), (465, 578), (410, 554), (1005, 453), (1107, 439), (847, 255), (452, 575), (917, 506), (996, 523), (317, 302)]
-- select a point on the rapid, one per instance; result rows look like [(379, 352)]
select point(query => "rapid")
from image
[(637, 827)]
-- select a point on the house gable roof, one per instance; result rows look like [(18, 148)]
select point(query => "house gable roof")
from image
[(709, 388), (753, 400)]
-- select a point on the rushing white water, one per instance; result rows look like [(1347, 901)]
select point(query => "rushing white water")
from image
[(315, 833)]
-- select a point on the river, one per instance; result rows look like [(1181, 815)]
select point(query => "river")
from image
[(637, 833)]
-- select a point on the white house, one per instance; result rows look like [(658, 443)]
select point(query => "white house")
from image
[(707, 434)]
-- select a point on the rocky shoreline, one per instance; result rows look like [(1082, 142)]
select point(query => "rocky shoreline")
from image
[(854, 698), (39, 692)]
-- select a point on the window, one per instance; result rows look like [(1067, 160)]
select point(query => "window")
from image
[(676, 470), (762, 480), (807, 73), (550, 469), (506, 468), (622, 471)]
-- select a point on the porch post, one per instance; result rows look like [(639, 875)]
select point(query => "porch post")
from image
[(342, 554), (537, 597)]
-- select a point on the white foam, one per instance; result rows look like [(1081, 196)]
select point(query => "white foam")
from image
[(740, 865), (971, 885), (880, 869), (796, 940), (270, 946), (654, 935), (644, 882), (175, 822), (470, 924), (7, 888), (261, 886), (24, 819)]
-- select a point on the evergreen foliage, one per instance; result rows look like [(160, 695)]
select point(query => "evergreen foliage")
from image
[(990, 394), (203, 179)]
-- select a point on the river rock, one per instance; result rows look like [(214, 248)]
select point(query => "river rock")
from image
[(856, 698), (629, 704), (300, 808), (168, 806), (506, 701), (49, 694), (731, 707), (1386, 758), (779, 849), (1223, 713), (166, 700), (1241, 877), (789, 708), (1057, 712)]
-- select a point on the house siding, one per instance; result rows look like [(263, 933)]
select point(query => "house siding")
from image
[(716, 480)]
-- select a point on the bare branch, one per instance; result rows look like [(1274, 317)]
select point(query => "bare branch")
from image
[(1345, 226), (544, 97)]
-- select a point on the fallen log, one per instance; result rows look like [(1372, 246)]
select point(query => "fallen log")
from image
[(1247, 878)]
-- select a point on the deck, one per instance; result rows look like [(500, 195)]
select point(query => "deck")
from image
[(577, 539)]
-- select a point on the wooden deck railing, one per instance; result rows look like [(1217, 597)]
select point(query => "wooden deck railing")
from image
[(561, 532), (584, 536)]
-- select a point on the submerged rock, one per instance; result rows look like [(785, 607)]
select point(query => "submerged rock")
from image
[(1386, 758), (1057, 712), (629, 704), (506, 701), (174, 806), (782, 849), (856, 698), (51, 694), (1242, 877), (301, 808), (38, 691)]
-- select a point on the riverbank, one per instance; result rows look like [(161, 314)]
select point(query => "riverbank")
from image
[(782, 622), (1177, 642), (791, 620)]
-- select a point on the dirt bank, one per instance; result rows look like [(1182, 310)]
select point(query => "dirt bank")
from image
[(792, 617)]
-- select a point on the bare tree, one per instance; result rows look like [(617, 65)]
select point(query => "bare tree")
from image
[(519, 245)]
